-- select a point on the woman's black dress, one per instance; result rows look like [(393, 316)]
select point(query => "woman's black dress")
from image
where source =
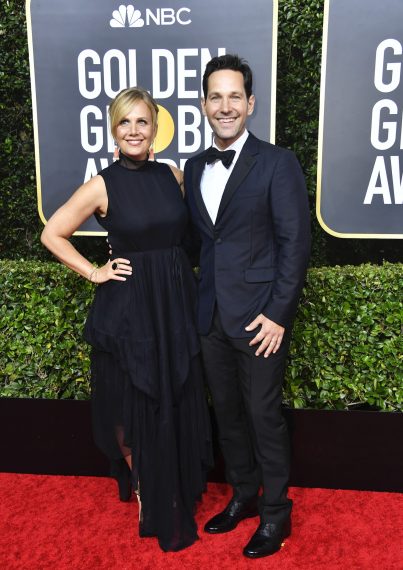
[(147, 386)]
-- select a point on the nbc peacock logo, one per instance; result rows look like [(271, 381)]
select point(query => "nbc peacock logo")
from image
[(127, 16)]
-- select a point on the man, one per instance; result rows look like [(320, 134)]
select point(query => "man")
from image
[(252, 217)]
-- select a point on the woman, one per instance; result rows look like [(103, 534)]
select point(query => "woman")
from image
[(149, 411)]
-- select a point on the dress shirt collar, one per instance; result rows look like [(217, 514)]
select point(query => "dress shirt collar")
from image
[(236, 146)]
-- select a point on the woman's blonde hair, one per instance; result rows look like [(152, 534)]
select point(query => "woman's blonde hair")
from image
[(123, 102)]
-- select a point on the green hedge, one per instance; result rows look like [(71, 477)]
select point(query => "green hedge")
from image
[(348, 339), (347, 345), (42, 313)]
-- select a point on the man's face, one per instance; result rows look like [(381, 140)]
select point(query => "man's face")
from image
[(226, 106)]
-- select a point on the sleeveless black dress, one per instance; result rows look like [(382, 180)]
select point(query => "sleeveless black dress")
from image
[(147, 388)]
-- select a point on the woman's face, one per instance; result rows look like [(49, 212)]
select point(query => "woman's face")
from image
[(135, 132)]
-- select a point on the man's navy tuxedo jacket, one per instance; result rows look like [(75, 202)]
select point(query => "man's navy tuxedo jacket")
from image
[(253, 259)]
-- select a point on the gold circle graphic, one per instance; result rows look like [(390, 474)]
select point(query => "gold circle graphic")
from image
[(166, 130)]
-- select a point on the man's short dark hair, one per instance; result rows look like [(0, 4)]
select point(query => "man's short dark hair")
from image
[(232, 62)]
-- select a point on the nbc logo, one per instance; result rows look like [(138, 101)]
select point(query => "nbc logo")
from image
[(128, 16)]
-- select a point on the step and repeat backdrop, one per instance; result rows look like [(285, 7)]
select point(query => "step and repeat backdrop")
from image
[(360, 166), (83, 53)]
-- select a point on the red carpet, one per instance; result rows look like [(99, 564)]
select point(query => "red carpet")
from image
[(77, 523)]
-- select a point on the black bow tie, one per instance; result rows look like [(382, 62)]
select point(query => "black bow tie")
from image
[(226, 156)]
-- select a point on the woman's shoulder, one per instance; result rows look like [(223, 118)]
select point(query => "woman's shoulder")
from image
[(170, 169), (108, 169), (178, 175)]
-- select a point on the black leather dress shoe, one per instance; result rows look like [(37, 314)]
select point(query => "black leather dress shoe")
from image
[(233, 513), (267, 539)]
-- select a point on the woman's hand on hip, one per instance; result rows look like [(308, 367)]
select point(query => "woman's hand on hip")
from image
[(116, 270)]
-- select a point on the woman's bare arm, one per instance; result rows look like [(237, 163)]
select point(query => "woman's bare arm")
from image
[(89, 198)]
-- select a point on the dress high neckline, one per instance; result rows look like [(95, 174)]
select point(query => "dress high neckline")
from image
[(130, 163)]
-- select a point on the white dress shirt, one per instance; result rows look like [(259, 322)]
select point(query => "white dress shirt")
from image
[(215, 177)]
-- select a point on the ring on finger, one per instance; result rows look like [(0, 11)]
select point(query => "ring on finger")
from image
[(115, 266)]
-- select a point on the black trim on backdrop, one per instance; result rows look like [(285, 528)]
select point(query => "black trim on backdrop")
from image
[(330, 449)]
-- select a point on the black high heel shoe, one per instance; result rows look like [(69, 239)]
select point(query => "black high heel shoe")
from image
[(123, 475)]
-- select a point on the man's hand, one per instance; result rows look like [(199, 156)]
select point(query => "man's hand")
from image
[(270, 335)]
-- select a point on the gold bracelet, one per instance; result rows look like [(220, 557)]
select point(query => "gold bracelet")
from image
[(94, 271)]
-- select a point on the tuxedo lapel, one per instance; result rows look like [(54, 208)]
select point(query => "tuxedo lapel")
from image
[(196, 179), (242, 168)]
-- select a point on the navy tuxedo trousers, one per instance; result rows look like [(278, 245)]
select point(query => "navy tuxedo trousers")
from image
[(247, 391)]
